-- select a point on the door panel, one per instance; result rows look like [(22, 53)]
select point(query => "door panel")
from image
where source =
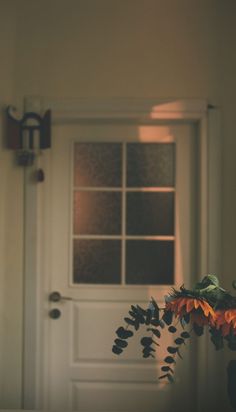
[(84, 374)]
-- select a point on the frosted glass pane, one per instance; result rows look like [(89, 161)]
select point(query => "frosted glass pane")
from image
[(149, 262), (150, 213), (97, 164), (97, 261), (97, 213), (150, 164)]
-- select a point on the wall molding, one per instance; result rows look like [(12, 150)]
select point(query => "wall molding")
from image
[(71, 110)]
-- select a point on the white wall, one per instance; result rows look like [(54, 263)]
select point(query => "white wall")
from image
[(10, 228), (110, 48)]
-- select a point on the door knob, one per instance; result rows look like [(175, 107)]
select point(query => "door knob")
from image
[(54, 313), (57, 297)]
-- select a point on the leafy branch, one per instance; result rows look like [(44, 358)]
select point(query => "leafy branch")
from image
[(155, 319)]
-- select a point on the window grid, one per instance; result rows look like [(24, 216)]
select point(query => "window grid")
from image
[(123, 215), (124, 190)]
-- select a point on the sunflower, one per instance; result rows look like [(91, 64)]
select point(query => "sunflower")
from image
[(226, 321), (201, 312)]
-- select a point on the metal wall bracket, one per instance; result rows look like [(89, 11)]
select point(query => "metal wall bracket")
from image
[(28, 135)]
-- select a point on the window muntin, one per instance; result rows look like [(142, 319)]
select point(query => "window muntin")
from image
[(123, 213)]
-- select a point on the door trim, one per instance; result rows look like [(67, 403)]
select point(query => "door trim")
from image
[(71, 111)]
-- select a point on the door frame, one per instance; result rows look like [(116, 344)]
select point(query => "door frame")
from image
[(36, 272)]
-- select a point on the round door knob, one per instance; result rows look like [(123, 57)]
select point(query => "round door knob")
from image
[(55, 297), (54, 313)]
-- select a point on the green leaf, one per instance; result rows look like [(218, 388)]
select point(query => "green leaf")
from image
[(147, 352), (136, 324), (146, 341), (170, 378), (148, 317), (121, 343), (116, 350), (185, 335), (155, 332), (172, 350), (199, 330), (186, 318), (131, 313), (124, 333), (179, 341), (141, 311), (218, 340), (156, 309), (169, 359), (172, 329), (161, 324), (129, 321), (155, 322), (140, 318), (167, 317), (165, 368)]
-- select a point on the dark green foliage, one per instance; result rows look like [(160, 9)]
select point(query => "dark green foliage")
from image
[(231, 338), (169, 359), (156, 311), (148, 317), (116, 350), (167, 317), (141, 311), (172, 349), (179, 341), (121, 343), (148, 351), (129, 321), (146, 341), (155, 322), (165, 368), (186, 318), (136, 324), (216, 338), (161, 324), (185, 335), (151, 318), (170, 378), (199, 330), (155, 332), (123, 333), (172, 329), (131, 313)]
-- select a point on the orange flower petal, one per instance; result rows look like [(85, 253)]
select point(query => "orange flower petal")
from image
[(182, 302), (189, 305), (230, 315)]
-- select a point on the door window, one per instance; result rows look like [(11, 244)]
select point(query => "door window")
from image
[(123, 213)]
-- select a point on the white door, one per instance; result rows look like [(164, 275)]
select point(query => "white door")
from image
[(121, 204)]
